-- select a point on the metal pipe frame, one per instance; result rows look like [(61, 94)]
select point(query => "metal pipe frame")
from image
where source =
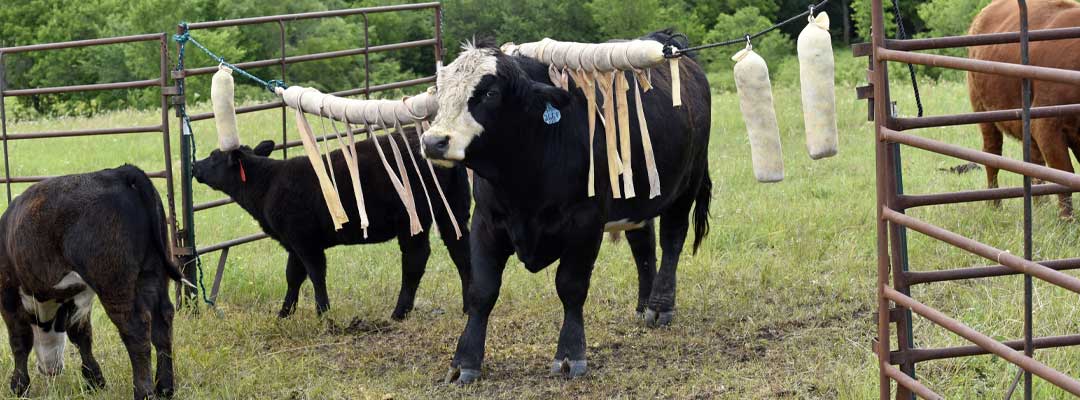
[(986, 251), (161, 82), (86, 132), (892, 203), (987, 67), (985, 116), (149, 37), (1033, 170), (310, 15), (36, 179), (993, 346), (920, 277), (909, 201), (920, 355), (316, 56), (949, 42)]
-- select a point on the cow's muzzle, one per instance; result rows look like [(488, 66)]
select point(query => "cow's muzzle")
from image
[(435, 146)]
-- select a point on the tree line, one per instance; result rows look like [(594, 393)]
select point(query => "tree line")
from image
[(703, 21)]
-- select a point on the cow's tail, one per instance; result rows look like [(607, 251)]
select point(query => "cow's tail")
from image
[(151, 201), (701, 211)]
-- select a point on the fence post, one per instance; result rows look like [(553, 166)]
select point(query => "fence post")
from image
[(187, 207)]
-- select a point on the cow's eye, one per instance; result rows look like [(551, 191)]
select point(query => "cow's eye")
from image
[(492, 93)]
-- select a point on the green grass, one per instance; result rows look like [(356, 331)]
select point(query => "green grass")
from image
[(777, 304)]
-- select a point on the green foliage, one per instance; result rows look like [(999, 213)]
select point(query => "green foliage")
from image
[(624, 19), (861, 17), (703, 21), (948, 18), (517, 21)]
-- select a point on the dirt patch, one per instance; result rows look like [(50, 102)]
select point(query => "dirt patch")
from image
[(358, 326)]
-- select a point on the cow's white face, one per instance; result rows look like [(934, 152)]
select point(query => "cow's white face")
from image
[(49, 349), (455, 127)]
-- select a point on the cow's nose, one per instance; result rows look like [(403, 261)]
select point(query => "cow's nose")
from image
[(436, 146)]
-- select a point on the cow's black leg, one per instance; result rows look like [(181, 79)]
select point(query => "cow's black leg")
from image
[(642, 243), (458, 248), (459, 254), (572, 283), (81, 334), (489, 254), (674, 224), (315, 264), (133, 323), (21, 339), (161, 336), (295, 275), (415, 251)]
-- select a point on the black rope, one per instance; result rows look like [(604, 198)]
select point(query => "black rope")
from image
[(901, 34), (668, 53)]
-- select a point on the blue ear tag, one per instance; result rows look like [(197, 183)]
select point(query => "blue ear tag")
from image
[(551, 115)]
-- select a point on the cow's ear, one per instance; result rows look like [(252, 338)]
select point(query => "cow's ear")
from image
[(544, 94), (235, 156), (264, 148)]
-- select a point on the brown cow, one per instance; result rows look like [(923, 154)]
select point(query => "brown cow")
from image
[(1052, 138)]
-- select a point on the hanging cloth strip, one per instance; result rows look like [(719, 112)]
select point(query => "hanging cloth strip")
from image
[(348, 151), (421, 126), (604, 80), (642, 85), (415, 110), (589, 87), (602, 66), (330, 195)]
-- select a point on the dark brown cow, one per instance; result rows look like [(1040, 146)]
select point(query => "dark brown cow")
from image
[(1052, 138), (67, 239)]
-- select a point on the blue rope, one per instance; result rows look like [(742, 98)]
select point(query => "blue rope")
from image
[(185, 37)]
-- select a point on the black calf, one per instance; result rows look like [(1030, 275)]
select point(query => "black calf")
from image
[(284, 197)]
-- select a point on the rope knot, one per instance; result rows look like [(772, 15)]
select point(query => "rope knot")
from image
[(273, 84), (183, 37)]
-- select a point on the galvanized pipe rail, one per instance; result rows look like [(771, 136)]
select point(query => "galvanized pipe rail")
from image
[(161, 82), (892, 202), (283, 61)]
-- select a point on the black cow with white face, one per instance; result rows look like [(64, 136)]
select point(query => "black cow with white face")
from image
[(530, 189)]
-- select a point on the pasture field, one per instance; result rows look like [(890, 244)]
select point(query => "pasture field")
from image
[(777, 304)]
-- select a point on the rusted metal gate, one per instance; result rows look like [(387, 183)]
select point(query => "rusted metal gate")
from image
[(183, 235), (161, 81), (894, 301), (364, 49)]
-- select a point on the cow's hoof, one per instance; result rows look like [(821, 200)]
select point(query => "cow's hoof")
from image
[(399, 316), (20, 384), (569, 368), (94, 379), (284, 313), (655, 319), (164, 392), (461, 376)]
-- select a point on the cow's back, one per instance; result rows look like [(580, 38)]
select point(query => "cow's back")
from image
[(994, 92)]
